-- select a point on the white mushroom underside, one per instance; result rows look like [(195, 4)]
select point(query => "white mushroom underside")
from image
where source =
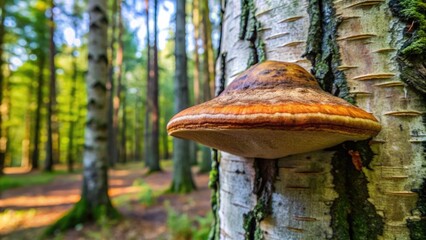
[(273, 135), (267, 143)]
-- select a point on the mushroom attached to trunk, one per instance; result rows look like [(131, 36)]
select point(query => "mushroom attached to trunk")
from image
[(273, 109)]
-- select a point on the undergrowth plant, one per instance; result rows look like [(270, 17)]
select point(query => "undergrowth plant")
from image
[(182, 227)]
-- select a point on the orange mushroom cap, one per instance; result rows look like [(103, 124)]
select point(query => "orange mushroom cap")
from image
[(273, 109)]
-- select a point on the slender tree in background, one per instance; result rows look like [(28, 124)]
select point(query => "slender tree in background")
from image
[(208, 58), (51, 151), (75, 72), (147, 124), (137, 153), (196, 32), (123, 128), (2, 35), (41, 41), (95, 203), (41, 61), (182, 176), (208, 73), (73, 121), (26, 142), (152, 154), (112, 134), (119, 75)]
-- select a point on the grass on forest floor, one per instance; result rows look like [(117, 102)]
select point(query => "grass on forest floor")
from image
[(25, 180), (179, 225), (183, 227), (15, 218)]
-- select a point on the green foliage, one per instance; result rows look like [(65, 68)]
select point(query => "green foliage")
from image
[(14, 181), (353, 216), (183, 227), (14, 218), (146, 194), (413, 12)]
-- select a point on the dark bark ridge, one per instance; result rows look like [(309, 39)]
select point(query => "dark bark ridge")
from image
[(412, 56), (249, 27), (353, 216), (266, 172)]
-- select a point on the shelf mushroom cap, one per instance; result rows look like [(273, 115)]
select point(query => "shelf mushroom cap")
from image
[(272, 110)]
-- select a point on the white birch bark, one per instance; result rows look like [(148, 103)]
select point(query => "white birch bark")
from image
[(370, 37), (304, 190), (95, 184)]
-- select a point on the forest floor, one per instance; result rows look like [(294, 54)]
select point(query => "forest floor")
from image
[(141, 199)]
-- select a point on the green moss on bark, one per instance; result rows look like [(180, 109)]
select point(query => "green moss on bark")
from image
[(266, 172), (82, 212), (323, 51), (412, 55), (353, 216), (249, 27), (214, 186)]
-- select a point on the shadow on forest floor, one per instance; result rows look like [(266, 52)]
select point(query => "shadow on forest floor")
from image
[(26, 211)]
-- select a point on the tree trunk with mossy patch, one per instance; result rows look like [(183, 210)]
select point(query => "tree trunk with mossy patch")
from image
[(182, 176), (95, 203), (357, 190)]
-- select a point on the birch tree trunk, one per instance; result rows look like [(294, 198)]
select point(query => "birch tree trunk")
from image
[(353, 48), (95, 203)]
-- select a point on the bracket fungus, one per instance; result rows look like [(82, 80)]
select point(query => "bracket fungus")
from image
[(273, 109)]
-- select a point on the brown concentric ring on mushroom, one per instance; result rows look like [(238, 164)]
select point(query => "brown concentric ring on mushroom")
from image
[(272, 110)]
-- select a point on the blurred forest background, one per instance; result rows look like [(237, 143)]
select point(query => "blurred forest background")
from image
[(43, 99)]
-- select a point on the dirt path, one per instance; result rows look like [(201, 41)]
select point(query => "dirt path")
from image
[(30, 209)]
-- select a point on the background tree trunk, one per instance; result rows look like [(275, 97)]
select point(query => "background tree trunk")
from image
[(208, 74), (52, 136), (352, 48), (2, 34), (73, 117), (123, 138), (138, 151), (196, 32), (117, 98), (152, 152), (182, 176), (112, 136), (35, 156), (95, 203)]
